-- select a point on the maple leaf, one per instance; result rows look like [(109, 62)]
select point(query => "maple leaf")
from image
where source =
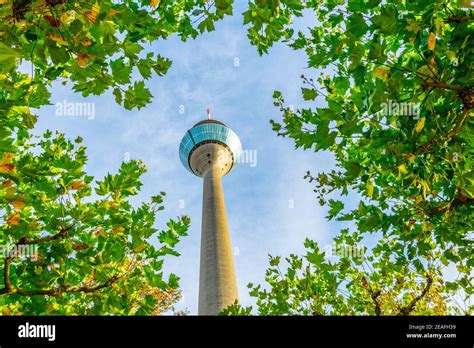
[(431, 41), (13, 219), (58, 39), (6, 167)]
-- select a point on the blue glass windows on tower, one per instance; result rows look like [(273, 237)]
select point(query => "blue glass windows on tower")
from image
[(207, 131)]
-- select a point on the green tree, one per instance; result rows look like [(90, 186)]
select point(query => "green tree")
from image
[(393, 95), (88, 254), (95, 45), (351, 285), (97, 253)]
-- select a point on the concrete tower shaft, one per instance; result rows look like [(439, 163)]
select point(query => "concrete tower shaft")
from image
[(217, 282)]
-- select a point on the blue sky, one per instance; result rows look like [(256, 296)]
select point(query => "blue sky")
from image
[(271, 209)]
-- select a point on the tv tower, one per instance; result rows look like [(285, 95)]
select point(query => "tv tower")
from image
[(209, 150)]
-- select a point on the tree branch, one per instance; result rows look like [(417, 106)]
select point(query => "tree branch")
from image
[(8, 287), (439, 84), (459, 123), (449, 207), (424, 148), (6, 275), (374, 295), (408, 309), (459, 19), (62, 289), (61, 234)]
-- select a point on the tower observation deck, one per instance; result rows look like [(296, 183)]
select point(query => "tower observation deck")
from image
[(209, 150)]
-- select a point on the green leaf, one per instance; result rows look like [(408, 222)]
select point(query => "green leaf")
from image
[(386, 22), (274, 261), (336, 207), (356, 25), (137, 96), (308, 93), (173, 281), (118, 95), (120, 71), (59, 54), (8, 58)]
